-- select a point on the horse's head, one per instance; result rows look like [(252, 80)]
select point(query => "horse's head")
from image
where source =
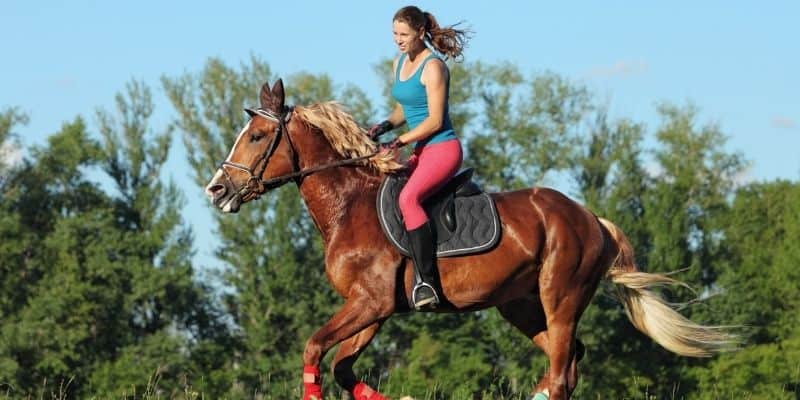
[(261, 157)]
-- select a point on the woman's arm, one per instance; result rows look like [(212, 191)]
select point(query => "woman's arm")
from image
[(434, 78)]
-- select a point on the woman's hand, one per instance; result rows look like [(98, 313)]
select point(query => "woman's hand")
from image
[(391, 146), (379, 129)]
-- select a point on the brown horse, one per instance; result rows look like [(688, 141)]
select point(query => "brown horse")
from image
[(541, 275)]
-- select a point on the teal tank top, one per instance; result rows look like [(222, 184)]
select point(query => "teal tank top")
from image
[(412, 97)]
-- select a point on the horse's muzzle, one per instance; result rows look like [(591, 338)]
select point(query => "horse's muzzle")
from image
[(221, 195)]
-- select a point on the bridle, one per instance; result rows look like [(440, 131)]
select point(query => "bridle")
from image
[(254, 182)]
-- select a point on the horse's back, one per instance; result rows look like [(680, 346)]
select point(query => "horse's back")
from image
[(553, 216), (546, 202)]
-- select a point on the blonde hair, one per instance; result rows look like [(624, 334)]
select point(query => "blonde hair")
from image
[(344, 134)]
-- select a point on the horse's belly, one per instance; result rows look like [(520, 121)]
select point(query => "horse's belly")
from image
[(510, 270)]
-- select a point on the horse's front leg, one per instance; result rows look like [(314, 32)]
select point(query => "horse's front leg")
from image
[(359, 311), (347, 355)]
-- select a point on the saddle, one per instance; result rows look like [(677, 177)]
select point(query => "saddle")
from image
[(463, 217)]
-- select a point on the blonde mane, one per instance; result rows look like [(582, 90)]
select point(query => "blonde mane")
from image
[(344, 134)]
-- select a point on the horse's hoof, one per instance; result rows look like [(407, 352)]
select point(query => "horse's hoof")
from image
[(539, 396)]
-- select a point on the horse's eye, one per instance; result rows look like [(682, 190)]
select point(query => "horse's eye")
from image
[(256, 137)]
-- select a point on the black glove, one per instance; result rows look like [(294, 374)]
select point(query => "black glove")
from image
[(379, 129), (391, 146)]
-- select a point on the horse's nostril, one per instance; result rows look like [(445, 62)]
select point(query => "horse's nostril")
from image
[(215, 190)]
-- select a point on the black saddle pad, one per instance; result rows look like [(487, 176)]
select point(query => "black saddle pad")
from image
[(474, 228)]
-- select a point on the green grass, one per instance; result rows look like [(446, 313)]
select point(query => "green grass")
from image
[(285, 389)]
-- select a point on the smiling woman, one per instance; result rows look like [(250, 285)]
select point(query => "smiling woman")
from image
[(421, 88)]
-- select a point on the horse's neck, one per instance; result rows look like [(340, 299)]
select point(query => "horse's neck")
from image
[(330, 194)]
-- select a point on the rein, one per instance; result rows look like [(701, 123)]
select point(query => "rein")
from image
[(254, 181)]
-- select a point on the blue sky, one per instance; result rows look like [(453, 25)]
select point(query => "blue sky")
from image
[(738, 61)]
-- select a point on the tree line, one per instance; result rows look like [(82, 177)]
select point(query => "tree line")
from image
[(101, 296)]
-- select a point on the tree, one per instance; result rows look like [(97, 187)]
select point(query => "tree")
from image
[(695, 179), (99, 293), (164, 294), (759, 282)]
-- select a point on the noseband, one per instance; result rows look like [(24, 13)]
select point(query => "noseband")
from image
[(250, 189)]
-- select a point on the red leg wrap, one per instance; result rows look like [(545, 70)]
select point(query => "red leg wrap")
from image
[(312, 383), (363, 392)]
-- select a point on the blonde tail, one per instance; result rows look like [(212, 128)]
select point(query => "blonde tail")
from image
[(652, 315)]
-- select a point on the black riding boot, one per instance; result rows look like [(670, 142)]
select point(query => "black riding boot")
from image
[(422, 248)]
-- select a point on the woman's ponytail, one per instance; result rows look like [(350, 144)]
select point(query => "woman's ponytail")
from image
[(448, 41)]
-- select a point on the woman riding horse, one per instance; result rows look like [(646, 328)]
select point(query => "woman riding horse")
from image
[(421, 85)]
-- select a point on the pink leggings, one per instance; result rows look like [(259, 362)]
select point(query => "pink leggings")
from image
[(432, 166)]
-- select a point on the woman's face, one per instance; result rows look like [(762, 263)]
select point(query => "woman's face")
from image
[(406, 38)]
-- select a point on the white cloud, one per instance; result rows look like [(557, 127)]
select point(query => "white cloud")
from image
[(783, 122), (622, 68)]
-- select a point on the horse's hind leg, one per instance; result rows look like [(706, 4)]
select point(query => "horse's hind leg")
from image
[(561, 346), (347, 355), (527, 315), (565, 289)]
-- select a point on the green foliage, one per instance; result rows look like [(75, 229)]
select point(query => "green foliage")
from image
[(98, 288), (8, 119), (694, 180), (530, 127), (432, 360), (764, 371), (762, 275), (760, 286)]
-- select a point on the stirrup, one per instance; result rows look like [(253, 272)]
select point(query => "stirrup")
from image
[(431, 300)]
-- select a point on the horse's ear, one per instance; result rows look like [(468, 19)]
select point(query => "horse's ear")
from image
[(277, 95), (265, 96)]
